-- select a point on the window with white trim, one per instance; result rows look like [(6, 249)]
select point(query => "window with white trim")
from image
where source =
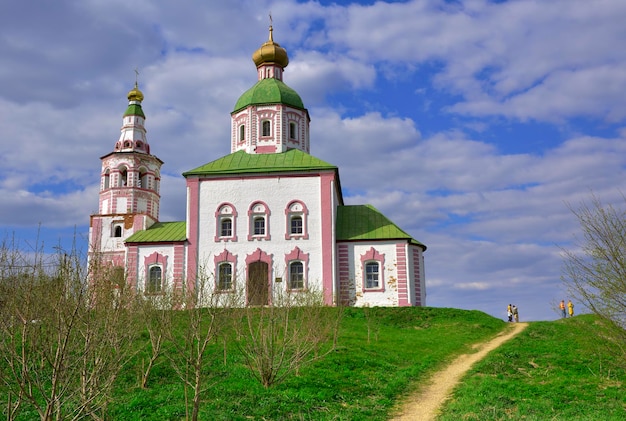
[(226, 227), (259, 225), (155, 280), (259, 221), (296, 275), (296, 225), (372, 275), (293, 131), (296, 220), (266, 128), (225, 218), (225, 277)]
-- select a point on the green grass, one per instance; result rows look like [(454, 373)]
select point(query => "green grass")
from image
[(552, 371), (357, 381)]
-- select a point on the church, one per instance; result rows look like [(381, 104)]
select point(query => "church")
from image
[(269, 217)]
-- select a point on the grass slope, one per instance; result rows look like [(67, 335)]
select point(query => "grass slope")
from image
[(358, 381), (552, 371)]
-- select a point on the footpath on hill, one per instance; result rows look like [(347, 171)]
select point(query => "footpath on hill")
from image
[(425, 404)]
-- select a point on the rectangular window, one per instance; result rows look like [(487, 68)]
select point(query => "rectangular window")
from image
[(371, 275), (225, 277), (292, 130), (226, 229), (296, 225), (154, 280), (259, 225), (296, 275), (266, 128)]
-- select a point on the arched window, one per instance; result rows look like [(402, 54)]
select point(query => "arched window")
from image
[(266, 128), (226, 227), (293, 131), (259, 227), (107, 179), (225, 277), (117, 230), (373, 264), (123, 180), (242, 132), (155, 277), (296, 220), (296, 263), (143, 178), (157, 179), (296, 225), (225, 223), (372, 275), (296, 275)]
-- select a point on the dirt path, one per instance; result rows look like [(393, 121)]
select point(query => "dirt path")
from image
[(424, 405)]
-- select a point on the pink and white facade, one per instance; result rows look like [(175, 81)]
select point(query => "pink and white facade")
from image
[(268, 217)]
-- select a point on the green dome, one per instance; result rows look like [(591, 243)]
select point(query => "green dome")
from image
[(269, 91)]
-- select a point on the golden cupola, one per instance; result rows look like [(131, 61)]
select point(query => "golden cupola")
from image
[(135, 94), (271, 52)]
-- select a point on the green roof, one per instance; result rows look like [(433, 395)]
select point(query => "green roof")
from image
[(241, 162), (161, 232), (134, 109), (269, 91), (365, 222)]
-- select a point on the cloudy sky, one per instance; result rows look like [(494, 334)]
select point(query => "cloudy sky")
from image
[(471, 124)]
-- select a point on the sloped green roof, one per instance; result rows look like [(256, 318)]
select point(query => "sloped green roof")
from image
[(365, 222), (161, 232), (134, 109), (241, 162), (269, 91)]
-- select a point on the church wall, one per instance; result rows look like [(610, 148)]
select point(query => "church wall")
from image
[(162, 255), (395, 284), (274, 194)]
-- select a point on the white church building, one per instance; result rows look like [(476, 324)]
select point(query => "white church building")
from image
[(268, 217)]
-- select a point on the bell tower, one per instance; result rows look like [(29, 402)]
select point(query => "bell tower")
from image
[(129, 188)]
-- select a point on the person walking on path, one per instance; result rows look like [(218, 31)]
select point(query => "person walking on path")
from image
[(509, 313), (515, 313), (562, 307), (570, 308)]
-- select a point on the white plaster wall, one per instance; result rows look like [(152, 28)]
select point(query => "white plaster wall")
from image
[(276, 192), (388, 297), (147, 250), (106, 241)]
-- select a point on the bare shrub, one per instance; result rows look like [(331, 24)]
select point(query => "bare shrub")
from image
[(62, 343), (201, 315), (595, 272), (276, 340)]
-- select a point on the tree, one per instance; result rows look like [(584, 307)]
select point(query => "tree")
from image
[(62, 341), (295, 329), (196, 319), (595, 273)]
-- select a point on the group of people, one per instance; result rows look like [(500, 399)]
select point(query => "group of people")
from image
[(512, 313), (570, 308)]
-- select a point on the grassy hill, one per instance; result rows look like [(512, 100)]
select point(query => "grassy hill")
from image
[(554, 370), (560, 370)]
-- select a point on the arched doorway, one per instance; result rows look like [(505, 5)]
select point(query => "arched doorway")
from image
[(258, 284)]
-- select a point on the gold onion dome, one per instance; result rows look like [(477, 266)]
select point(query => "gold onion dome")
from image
[(271, 52), (135, 94)]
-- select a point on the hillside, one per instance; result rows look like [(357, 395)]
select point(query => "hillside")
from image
[(383, 354)]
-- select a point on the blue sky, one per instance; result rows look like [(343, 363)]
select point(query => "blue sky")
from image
[(471, 124)]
